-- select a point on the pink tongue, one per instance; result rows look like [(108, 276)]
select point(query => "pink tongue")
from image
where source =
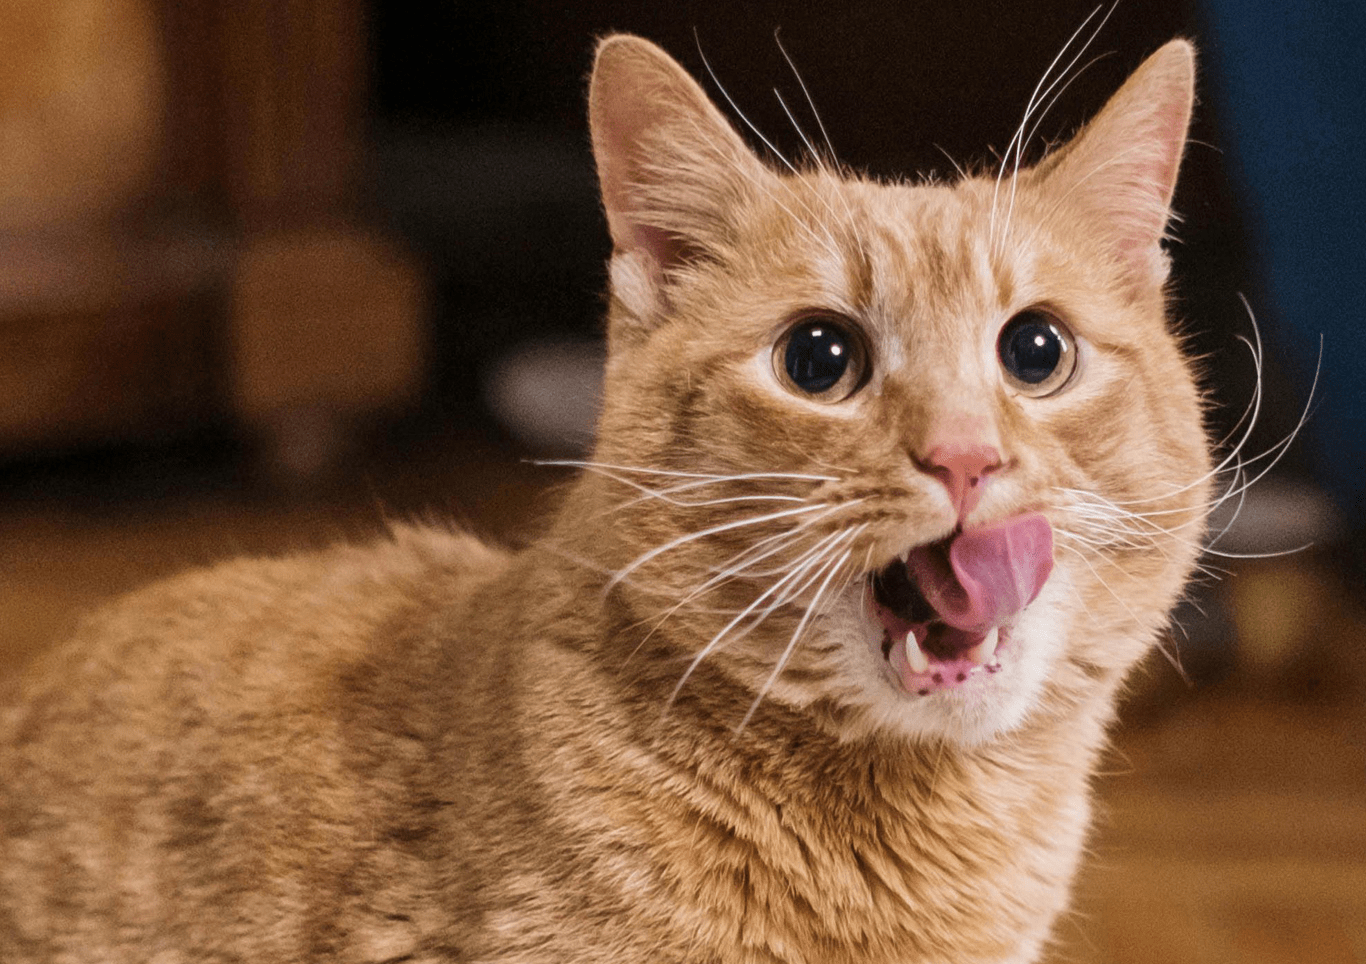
[(988, 575)]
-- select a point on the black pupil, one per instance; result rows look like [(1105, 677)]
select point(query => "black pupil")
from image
[(817, 356), (1030, 349)]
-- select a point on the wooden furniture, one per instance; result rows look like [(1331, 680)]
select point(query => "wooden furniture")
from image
[(237, 281)]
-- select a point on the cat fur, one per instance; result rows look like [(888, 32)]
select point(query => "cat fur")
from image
[(431, 749)]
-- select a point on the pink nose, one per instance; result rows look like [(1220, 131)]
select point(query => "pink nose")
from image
[(964, 470)]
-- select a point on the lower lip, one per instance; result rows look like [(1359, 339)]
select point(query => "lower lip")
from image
[(943, 674)]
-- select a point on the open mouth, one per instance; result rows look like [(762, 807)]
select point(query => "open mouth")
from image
[(946, 609)]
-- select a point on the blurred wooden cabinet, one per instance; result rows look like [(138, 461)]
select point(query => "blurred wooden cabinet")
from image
[(233, 276)]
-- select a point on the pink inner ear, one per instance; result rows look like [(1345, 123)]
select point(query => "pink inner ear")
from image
[(621, 129), (669, 163), (637, 100), (619, 122), (664, 249), (1150, 182)]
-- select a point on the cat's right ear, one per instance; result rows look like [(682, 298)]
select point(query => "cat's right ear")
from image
[(1119, 173), (670, 167)]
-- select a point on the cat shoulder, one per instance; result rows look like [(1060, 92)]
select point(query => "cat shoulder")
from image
[(343, 584), (264, 628)]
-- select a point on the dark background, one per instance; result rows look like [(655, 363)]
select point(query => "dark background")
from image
[(901, 88), (455, 134)]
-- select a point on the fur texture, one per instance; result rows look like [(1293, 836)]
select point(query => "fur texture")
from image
[(666, 731)]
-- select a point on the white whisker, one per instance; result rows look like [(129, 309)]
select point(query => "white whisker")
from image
[(830, 240), (742, 564), (591, 465), (1015, 146), (1121, 517), (790, 578), (795, 126), (722, 577), (1043, 114), (825, 136), (831, 569), (825, 241), (1023, 141), (710, 531), (735, 569), (666, 494), (736, 107), (1250, 418)]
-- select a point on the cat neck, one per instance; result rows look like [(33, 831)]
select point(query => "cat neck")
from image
[(831, 836), (832, 832)]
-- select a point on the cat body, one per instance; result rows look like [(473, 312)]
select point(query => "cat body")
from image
[(371, 793), (813, 664)]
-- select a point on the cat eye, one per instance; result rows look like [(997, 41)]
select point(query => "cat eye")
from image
[(1038, 354), (822, 357)]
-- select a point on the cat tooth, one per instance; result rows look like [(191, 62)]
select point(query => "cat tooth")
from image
[(982, 653), (915, 656)]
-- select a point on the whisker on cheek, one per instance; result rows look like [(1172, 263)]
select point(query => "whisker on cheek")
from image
[(781, 593), (710, 531), (717, 580), (831, 569)]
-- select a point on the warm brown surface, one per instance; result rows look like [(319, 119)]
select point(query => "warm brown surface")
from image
[(179, 218), (1237, 833), (1233, 818)]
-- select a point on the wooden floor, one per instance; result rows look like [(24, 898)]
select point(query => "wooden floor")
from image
[(1232, 820)]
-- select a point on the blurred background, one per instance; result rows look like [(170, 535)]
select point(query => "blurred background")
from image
[(275, 271)]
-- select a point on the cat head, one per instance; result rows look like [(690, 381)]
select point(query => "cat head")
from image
[(921, 459)]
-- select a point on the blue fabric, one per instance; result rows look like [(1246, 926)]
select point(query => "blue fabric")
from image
[(1289, 79)]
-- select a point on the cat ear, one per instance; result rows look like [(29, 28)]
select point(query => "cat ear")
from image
[(1120, 171), (669, 164)]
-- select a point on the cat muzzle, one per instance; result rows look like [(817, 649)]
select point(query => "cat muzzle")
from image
[(946, 608)]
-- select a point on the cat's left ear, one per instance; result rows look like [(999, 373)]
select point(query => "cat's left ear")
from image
[(673, 170), (1119, 173)]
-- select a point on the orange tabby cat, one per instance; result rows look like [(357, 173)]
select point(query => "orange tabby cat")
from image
[(893, 484)]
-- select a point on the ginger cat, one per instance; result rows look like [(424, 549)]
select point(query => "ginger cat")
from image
[(893, 484)]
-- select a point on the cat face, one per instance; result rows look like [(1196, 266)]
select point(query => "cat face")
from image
[(913, 459)]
